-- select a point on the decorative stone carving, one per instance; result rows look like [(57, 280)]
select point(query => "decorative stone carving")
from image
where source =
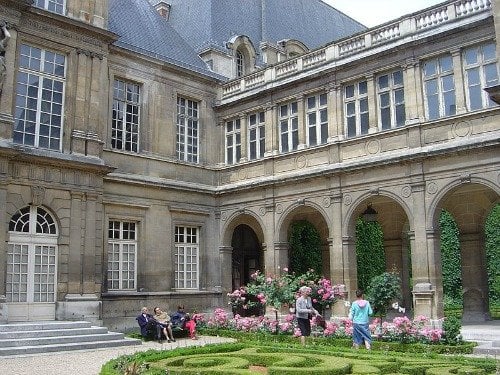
[(4, 39), (37, 195), (373, 147), (406, 191), (462, 129), (301, 162), (326, 202), (347, 199), (432, 188), (279, 208)]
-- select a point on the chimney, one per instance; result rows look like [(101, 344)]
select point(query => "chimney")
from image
[(164, 9)]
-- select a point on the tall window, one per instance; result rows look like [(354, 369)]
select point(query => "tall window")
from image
[(439, 87), (233, 141), (187, 138), (391, 100), (289, 127), (125, 122), (356, 109), (187, 247), (39, 98), (240, 64), (317, 120), (56, 6), (481, 71), (122, 255), (256, 135)]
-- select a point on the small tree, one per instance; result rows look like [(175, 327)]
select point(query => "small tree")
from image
[(382, 292)]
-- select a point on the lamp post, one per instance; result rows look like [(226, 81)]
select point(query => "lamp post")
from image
[(369, 215)]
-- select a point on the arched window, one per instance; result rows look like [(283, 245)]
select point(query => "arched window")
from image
[(240, 64)]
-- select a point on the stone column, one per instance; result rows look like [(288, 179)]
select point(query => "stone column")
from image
[(372, 104), (396, 259), (75, 256), (3, 253), (301, 117), (458, 77), (95, 114), (90, 284), (411, 82), (244, 137), (350, 267), (226, 270), (334, 113), (272, 143), (281, 257)]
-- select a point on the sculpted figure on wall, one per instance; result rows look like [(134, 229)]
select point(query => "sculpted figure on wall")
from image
[(4, 39)]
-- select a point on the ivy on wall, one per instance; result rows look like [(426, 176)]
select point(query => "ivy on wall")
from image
[(305, 248), (370, 255), (450, 260), (492, 230)]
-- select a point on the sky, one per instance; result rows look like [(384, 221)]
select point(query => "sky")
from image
[(375, 12)]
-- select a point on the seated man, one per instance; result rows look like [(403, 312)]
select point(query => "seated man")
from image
[(145, 321), (182, 320)]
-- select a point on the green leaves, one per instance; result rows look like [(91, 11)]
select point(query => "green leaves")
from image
[(305, 247), (369, 251), (383, 290), (451, 263)]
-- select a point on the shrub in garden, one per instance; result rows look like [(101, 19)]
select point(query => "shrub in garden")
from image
[(383, 290)]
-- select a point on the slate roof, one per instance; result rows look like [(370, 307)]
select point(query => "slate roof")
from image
[(214, 22), (143, 30)]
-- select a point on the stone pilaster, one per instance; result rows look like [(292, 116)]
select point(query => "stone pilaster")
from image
[(372, 104), (334, 113), (75, 242), (226, 277), (301, 117), (458, 78), (244, 137), (272, 143), (412, 87)]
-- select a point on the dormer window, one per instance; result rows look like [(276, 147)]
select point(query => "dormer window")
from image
[(240, 64)]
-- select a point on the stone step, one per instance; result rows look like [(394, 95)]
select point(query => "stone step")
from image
[(487, 349), (32, 341), (46, 325), (55, 336), (51, 333), (25, 350), (482, 335)]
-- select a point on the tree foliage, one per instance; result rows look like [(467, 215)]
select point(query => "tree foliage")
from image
[(451, 263), (382, 291), (492, 229), (305, 248), (370, 255)]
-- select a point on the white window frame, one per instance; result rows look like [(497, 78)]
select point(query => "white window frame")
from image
[(188, 130), (317, 119), (391, 99), (126, 116), (240, 64), (39, 114), (256, 135), (120, 262), (187, 257), (357, 109), (56, 6), (288, 120), (233, 141), (483, 66), (441, 78)]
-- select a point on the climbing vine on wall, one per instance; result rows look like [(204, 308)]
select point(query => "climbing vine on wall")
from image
[(370, 253), (450, 259), (305, 248), (492, 229)]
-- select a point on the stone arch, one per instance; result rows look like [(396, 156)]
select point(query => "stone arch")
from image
[(243, 234), (244, 55), (396, 220), (293, 47), (304, 209), (469, 200)]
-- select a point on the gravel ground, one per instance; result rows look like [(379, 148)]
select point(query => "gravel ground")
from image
[(86, 362)]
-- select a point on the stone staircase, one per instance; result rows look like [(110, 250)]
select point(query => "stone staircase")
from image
[(56, 336), (487, 337)]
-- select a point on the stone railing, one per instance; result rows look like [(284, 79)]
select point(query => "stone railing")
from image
[(456, 10)]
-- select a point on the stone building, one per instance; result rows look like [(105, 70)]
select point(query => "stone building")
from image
[(156, 153)]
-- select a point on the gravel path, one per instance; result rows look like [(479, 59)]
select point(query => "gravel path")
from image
[(86, 362)]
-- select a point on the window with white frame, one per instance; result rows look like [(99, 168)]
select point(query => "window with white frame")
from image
[(391, 100), (39, 98), (187, 248), (233, 141), (56, 6), (240, 64), (439, 87), (317, 119), (125, 122), (122, 255), (187, 137), (289, 127), (256, 135), (481, 71), (356, 109)]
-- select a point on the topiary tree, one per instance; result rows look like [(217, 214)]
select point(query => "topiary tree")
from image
[(382, 291), (305, 248), (370, 255), (492, 230), (451, 263)]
